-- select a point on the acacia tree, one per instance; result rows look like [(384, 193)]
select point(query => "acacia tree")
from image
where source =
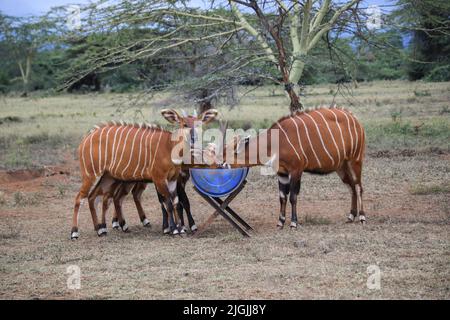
[(114, 34), (428, 24), (276, 33), (308, 21), (22, 39)]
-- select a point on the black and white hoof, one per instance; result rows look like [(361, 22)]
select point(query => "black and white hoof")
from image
[(123, 226), (74, 234), (362, 219), (281, 221), (175, 232), (115, 224), (194, 228), (146, 223), (102, 231), (350, 218), (293, 225), (280, 225), (166, 230)]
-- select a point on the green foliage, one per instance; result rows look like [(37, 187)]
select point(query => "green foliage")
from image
[(439, 73), (19, 157), (113, 55), (427, 22), (422, 93), (380, 62)]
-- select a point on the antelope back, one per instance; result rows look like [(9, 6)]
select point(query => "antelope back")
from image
[(322, 138), (126, 151)]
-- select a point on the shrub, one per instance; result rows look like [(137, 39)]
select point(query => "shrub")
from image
[(422, 93)]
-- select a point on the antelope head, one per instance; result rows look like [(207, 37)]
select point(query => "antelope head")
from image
[(189, 127)]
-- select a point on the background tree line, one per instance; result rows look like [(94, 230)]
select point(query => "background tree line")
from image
[(203, 53)]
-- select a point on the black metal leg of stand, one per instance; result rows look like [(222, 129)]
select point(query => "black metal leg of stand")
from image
[(224, 214), (234, 214)]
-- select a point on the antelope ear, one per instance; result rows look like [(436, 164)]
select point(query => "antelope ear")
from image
[(208, 115), (171, 115)]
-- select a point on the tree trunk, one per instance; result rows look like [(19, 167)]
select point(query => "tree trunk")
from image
[(205, 104), (282, 65), (295, 101), (25, 74)]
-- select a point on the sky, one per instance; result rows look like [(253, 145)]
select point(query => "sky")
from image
[(23, 8)]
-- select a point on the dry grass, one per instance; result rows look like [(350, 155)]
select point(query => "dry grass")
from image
[(406, 236), (406, 199), (34, 131), (430, 189)]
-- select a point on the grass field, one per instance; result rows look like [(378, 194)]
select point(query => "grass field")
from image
[(396, 115), (407, 196)]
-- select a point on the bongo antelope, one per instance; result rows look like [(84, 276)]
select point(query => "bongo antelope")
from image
[(134, 153), (115, 190), (319, 141)]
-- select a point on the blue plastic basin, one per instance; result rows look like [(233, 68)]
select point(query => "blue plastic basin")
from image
[(218, 182)]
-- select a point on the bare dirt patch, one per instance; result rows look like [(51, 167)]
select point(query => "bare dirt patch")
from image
[(407, 236), (20, 175)]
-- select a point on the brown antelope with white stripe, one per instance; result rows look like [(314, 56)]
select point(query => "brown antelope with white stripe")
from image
[(116, 190), (320, 141), (135, 153)]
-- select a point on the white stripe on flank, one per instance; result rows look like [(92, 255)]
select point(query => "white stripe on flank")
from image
[(309, 139), (106, 147), (119, 144), (90, 151), (82, 156), (100, 151), (144, 132), (156, 150), (300, 141), (131, 153), (150, 152), (113, 154), (289, 141), (340, 131), (124, 146), (356, 135), (321, 140), (331, 134), (362, 143), (349, 131), (147, 140)]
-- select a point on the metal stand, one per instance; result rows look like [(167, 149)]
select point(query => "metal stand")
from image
[(222, 207)]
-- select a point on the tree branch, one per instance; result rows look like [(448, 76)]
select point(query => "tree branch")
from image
[(253, 31), (327, 26), (317, 20)]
